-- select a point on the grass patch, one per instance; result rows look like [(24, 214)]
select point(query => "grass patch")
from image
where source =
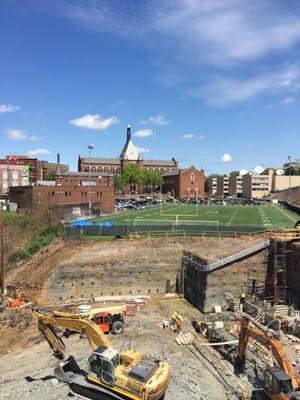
[(35, 243)]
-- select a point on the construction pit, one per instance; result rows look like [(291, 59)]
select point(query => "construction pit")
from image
[(105, 273)]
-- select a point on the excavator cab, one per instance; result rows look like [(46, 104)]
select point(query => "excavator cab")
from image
[(277, 385), (277, 381), (102, 364)]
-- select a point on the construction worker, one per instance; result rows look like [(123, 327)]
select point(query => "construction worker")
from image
[(176, 320), (242, 300)]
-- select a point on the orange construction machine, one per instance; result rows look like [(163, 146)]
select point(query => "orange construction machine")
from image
[(280, 383)]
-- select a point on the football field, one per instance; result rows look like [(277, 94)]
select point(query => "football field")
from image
[(267, 216)]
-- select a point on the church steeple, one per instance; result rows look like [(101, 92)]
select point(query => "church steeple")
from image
[(128, 133), (129, 151)]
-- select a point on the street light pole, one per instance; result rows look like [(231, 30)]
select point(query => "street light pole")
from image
[(2, 250), (90, 147)]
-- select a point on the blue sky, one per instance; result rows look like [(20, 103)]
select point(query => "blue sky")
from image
[(195, 79)]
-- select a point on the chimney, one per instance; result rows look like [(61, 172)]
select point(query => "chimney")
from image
[(58, 167)]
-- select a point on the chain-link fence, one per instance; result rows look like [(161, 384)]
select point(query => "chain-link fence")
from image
[(186, 229)]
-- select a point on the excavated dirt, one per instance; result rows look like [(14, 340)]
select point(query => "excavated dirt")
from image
[(148, 266)]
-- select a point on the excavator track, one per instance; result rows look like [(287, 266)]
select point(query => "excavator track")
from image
[(69, 372)]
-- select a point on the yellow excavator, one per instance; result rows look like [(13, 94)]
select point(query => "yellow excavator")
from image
[(280, 383), (110, 374)]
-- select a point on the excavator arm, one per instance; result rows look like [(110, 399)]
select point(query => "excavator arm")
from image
[(247, 331), (48, 320)]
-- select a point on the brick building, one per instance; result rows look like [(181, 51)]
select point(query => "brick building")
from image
[(68, 192), (130, 154), (13, 175), (185, 183), (35, 165), (53, 168)]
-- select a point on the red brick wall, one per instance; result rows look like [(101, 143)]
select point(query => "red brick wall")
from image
[(188, 183), (37, 198)]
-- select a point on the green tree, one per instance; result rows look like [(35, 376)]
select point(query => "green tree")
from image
[(132, 176), (118, 183), (234, 173), (150, 179), (49, 177)]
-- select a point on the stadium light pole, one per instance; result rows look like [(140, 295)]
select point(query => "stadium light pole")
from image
[(90, 147)]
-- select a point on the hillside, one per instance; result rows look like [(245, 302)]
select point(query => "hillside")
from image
[(24, 235), (292, 195)]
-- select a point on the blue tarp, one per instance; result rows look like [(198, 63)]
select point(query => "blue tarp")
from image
[(86, 222)]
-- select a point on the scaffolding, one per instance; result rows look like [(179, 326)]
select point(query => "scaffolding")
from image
[(280, 289)]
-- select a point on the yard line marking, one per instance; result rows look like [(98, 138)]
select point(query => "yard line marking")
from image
[(233, 215), (287, 215)]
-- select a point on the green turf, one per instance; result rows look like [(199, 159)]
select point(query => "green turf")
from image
[(268, 217)]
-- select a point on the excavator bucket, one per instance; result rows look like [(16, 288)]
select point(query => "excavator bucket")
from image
[(66, 370)]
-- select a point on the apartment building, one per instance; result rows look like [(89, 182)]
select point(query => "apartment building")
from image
[(13, 175), (257, 186), (223, 186), (236, 185), (211, 183)]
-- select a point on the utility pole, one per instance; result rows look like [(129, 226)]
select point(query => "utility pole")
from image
[(289, 158), (2, 250)]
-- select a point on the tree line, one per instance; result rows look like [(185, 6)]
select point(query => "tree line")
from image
[(133, 176)]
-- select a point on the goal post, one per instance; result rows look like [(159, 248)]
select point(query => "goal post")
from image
[(196, 222), (172, 210), (145, 221)]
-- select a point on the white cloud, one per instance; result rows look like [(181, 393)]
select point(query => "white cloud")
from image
[(6, 108), (16, 134), (143, 133), (226, 158), (34, 138), (143, 150), (226, 31), (202, 137), (159, 119), (288, 100), (234, 38), (38, 152), (226, 91), (94, 122), (188, 136), (19, 134)]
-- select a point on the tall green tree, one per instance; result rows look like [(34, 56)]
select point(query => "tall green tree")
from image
[(151, 179), (132, 176), (118, 183)]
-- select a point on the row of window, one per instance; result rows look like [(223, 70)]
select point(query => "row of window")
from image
[(68, 194)]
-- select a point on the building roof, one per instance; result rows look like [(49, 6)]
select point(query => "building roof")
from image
[(163, 163), (100, 160), (85, 174), (172, 173)]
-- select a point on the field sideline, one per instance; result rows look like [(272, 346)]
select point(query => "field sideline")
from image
[(267, 217)]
